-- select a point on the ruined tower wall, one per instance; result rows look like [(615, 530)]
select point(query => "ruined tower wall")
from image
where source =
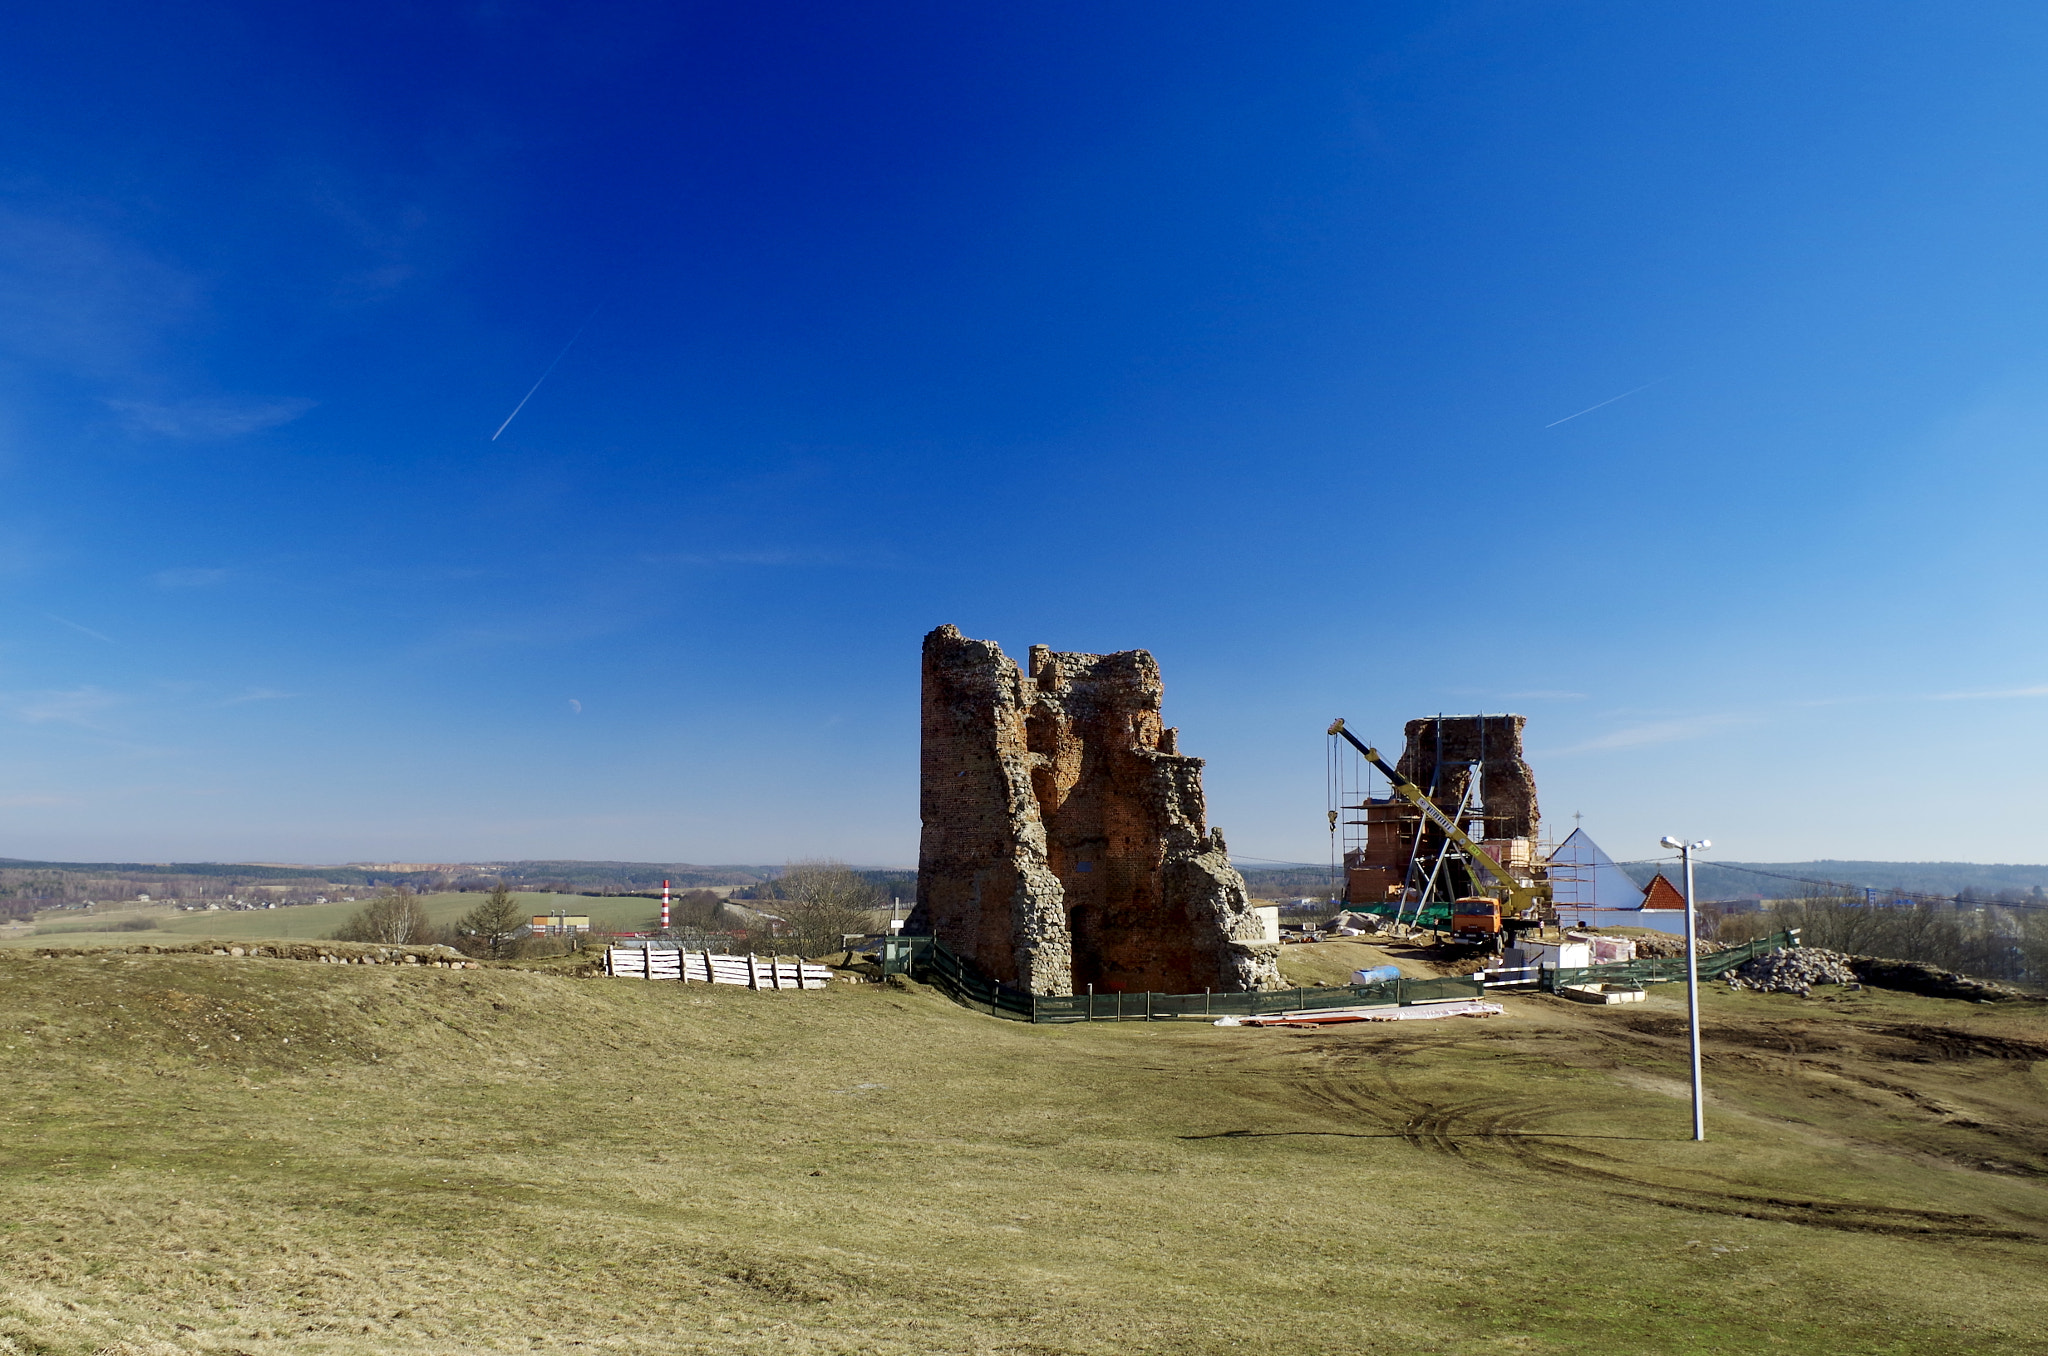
[(1507, 784), (1064, 840), (983, 885), (1378, 867)]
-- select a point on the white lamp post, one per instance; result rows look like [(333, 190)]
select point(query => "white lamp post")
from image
[(1692, 983)]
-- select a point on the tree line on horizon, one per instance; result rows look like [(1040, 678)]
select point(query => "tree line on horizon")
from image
[(816, 905)]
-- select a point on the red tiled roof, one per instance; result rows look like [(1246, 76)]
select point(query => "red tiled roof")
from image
[(1662, 894)]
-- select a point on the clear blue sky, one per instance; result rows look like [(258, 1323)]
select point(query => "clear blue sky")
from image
[(1241, 333)]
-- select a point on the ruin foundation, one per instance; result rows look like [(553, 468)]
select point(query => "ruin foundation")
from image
[(1064, 838)]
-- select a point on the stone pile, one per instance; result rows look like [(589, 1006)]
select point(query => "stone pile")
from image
[(1665, 946), (1935, 982), (329, 953), (1792, 970)]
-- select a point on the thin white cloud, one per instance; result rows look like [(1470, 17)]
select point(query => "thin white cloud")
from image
[(83, 300), (260, 694), (1541, 695), (23, 799), (1656, 732), (861, 558), (1605, 403), (734, 558), (82, 630), (190, 577), (79, 706), (1999, 694), (208, 419)]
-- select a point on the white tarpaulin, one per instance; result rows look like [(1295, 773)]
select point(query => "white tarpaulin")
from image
[(1584, 877), (1420, 1012)]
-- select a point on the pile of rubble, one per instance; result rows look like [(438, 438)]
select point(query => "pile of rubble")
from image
[(1665, 946), (1935, 982), (1792, 970), (330, 953)]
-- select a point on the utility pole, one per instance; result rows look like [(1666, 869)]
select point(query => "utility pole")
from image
[(1692, 982)]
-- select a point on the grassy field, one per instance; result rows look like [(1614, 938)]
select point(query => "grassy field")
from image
[(305, 921), (1333, 962), (206, 1153)]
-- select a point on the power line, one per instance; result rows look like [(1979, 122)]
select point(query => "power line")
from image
[(1914, 895)]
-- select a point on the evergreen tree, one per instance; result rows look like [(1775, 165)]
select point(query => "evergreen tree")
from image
[(489, 929)]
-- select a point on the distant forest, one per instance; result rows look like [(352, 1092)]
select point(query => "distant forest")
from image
[(1972, 882), (29, 886), (1288, 882)]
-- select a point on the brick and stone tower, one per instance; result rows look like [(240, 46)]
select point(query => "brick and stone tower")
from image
[(1064, 836)]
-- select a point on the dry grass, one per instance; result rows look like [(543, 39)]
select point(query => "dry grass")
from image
[(403, 1160), (301, 922), (1313, 963)]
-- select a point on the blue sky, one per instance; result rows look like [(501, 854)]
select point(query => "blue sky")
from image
[(1255, 336)]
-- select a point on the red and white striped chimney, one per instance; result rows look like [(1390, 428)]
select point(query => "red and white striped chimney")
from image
[(664, 906)]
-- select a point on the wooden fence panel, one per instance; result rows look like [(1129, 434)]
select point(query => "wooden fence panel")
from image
[(705, 967)]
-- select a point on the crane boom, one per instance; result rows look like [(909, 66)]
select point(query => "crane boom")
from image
[(1519, 896)]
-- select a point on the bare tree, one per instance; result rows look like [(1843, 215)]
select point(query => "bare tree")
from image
[(394, 917), (1986, 941), (821, 903), (694, 911)]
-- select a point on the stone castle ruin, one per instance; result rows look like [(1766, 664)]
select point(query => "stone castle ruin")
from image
[(1064, 832), (1440, 754)]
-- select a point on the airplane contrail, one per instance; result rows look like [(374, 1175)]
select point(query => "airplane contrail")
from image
[(544, 376), (85, 630), (1590, 408)]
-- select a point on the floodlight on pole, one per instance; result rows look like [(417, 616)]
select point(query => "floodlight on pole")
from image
[(1692, 981)]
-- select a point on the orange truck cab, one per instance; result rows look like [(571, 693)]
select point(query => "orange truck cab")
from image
[(1476, 915)]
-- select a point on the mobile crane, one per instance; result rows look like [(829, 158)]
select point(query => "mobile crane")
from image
[(1475, 918)]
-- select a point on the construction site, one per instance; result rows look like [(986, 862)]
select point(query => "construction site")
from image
[(1450, 840), (1066, 850)]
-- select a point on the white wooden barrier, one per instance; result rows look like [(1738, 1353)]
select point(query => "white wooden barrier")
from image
[(706, 967), (1514, 977)]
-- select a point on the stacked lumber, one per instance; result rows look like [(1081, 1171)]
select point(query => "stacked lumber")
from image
[(707, 967)]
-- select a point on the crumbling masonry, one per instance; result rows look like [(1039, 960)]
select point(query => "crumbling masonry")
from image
[(1064, 841), (1440, 754)]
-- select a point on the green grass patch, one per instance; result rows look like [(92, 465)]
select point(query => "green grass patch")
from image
[(216, 1153), (303, 922)]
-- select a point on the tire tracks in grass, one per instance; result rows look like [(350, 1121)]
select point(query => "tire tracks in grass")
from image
[(1380, 1086)]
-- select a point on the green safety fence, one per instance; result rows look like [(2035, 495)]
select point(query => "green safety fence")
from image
[(1664, 971), (1430, 916), (930, 961)]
